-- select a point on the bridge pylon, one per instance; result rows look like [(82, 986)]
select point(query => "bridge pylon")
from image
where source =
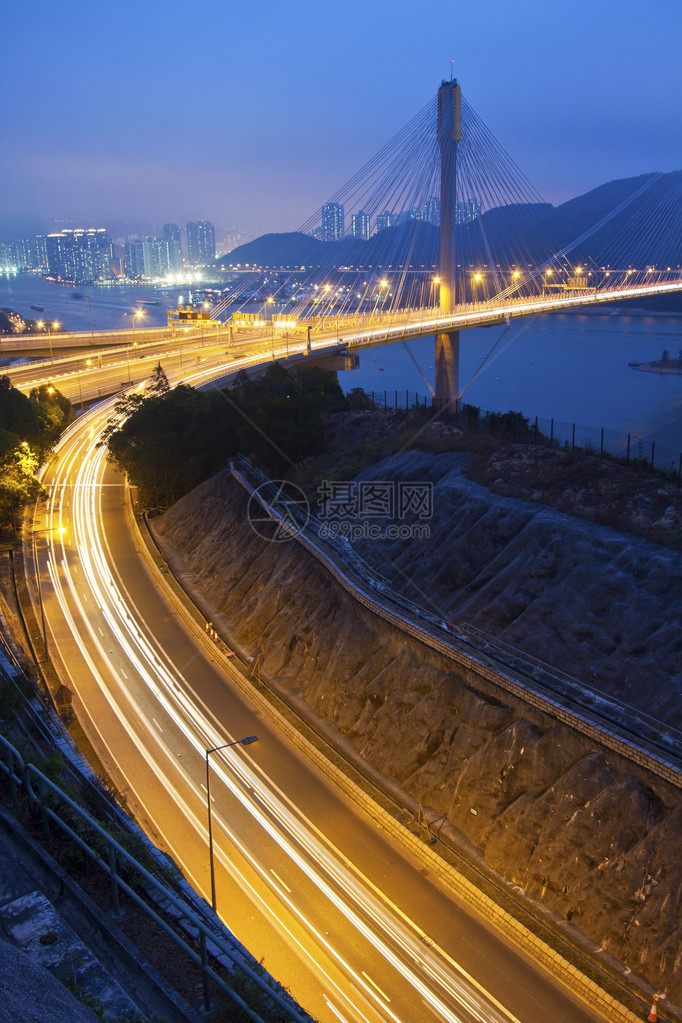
[(449, 134), (446, 366)]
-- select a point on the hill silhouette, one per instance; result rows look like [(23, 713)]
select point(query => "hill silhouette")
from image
[(647, 231)]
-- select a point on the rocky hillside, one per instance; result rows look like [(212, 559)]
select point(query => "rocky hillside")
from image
[(599, 604), (591, 836)]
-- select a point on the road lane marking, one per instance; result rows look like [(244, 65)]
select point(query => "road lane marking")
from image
[(336, 1012), (275, 874), (180, 725), (382, 993)]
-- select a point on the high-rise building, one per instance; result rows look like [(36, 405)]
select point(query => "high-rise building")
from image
[(359, 225), (25, 254), (467, 210), (133, 260), (332, 222), (432, 210), (410, 216), (149, 259), (172, 235), (200, 241), (81, 256), (155, 254), (21, 254), (6, 257), (38, 252), (386, 219)]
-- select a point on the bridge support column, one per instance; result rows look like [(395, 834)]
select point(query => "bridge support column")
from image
[(447, 344), (447, 370)]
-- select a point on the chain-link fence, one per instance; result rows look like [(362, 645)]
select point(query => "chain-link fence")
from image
[(514, 426)]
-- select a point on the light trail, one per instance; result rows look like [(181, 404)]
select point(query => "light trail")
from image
[(103, 620), (394, 328)]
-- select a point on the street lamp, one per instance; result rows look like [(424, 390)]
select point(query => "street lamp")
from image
[(380, 295), (50, 529), (216, 749), (134, 345), (49, 336), (134, 313), (92, 329)]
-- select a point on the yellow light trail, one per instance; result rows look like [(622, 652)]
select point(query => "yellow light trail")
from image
[(103, 622)]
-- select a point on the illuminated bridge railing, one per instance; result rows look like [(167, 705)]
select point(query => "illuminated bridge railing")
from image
[(393, 326)]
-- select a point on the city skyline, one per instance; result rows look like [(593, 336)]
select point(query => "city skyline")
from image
[(262, 144)]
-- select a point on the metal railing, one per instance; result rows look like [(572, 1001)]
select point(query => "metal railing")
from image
[(124, 871), (552, 433), (584, 698)]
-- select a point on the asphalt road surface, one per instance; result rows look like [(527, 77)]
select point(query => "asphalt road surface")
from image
[(356, 929)]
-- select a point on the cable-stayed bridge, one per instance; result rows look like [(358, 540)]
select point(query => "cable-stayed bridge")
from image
[(447, 233)]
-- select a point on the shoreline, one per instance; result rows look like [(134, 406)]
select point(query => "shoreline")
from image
[(672, 367)]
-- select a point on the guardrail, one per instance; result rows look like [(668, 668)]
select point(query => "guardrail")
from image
[(634, 735), (58, 808), (81, 339)]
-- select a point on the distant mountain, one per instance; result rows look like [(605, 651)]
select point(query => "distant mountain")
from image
[(295, 250), (648, 230)]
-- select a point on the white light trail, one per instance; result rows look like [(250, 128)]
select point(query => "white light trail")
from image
[(114, 645)]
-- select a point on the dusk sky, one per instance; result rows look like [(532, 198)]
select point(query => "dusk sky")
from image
[(252, 114)]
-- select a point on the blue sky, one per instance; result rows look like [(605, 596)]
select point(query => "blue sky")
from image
[(253, 114)]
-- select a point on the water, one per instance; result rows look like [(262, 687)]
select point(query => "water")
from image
[(111, 306), (571, 367)]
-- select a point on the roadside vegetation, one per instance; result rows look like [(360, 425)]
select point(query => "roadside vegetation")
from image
[(29, 427), (171, 440), (300, 426)]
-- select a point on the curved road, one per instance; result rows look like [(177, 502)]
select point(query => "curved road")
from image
[(353, 927)]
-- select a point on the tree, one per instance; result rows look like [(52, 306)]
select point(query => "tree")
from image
[(172, 441), (158, 381), (53, 412), (169, 442), (18, 482), (282, 420), (665, 356), (38, 419)]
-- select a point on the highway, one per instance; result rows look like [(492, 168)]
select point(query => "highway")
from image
[(96, 371), (352, 926)]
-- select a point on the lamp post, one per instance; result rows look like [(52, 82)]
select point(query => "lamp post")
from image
[(134, 345), (134, 313), (436, 282), (92, 329), (216, 749), (381, 295), (204, 305), (49, 336), (268, 302), (50, 529)]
